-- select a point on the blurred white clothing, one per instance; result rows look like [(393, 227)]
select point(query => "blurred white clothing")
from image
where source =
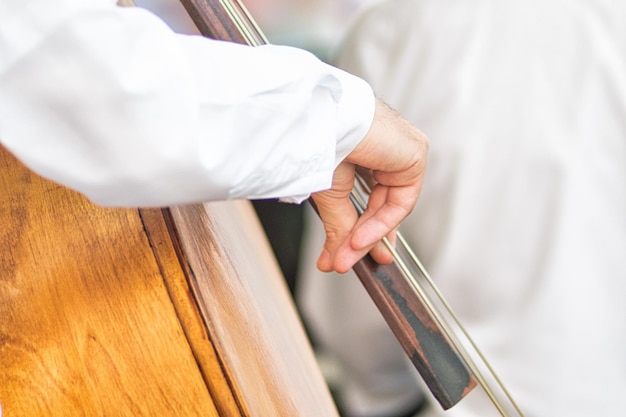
[(109, 101), (522, 218)]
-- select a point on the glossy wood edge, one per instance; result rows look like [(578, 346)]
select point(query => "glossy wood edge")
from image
[(175, 271), (248, 311)]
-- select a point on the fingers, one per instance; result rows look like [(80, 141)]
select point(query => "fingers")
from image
[(338, 215), (387, 207), (392, 159), (349, 237), (337, 219)]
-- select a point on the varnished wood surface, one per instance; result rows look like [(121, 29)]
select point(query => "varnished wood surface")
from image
[(87, 327), (175, 278), (102, 313), (250, 315)]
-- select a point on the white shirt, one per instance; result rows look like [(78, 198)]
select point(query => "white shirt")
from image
[(109, 101), (522, 218)]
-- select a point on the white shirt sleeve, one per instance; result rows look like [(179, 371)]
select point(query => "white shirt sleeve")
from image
[(109, 101)]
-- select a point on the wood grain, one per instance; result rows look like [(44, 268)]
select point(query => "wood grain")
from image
[(249, 312), (157, 223), (86, 324), (104, 313)]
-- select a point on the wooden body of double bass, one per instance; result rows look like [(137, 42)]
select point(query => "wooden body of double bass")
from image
[(127, 312)]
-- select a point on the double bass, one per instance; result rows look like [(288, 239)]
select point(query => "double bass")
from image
[(173, 311)]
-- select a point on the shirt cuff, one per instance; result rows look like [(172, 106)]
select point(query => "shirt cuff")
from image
[(355, 114)]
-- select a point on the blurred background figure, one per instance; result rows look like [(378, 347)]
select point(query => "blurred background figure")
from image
[(522, 219)]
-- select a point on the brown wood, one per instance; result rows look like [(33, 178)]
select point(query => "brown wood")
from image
[(250, 314), (103, 312), (439, 364), (211, 19), (86, 324), (175, 274)]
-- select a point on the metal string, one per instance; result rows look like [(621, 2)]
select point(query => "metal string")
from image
[(502, 400), (359, 196)]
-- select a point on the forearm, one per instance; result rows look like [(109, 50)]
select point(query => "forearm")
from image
[(112, 103)]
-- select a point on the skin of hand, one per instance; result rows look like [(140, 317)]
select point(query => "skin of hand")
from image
[(395, 152)]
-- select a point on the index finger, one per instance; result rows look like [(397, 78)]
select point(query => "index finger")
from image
[(386, 208)]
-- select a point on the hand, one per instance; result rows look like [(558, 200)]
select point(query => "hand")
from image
[(395, 152)]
